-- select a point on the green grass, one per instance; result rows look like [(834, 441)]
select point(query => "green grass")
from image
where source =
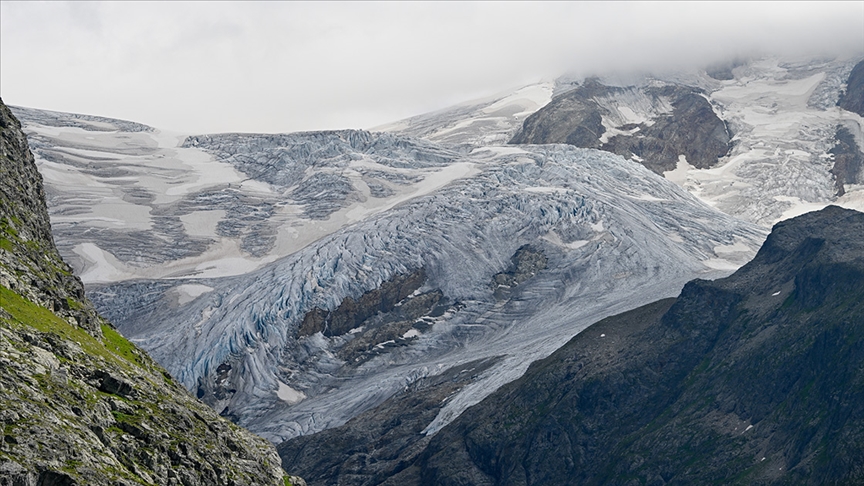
[(8, 235), (74, 304), (25, 313), (7, 228), (120, 346)]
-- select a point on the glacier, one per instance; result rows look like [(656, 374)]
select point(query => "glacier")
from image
[(209, 251), (616, 235)]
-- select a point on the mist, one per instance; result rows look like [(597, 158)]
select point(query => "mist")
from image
[(278, 67)]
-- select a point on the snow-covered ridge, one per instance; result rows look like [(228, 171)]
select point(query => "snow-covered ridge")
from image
[(783, 115), (491, 121)]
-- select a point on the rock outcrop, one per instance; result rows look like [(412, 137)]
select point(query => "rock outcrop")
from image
[(672, 121), (79, 404), (352, 313), (526, 262), (848, 160), (751, 379), (29, 262), (852, 98)]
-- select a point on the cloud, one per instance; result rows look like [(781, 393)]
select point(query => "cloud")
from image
[(270, 66)]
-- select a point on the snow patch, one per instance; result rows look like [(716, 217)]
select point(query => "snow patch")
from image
[(289, 395), (188, 292), (101, 266), (721, 264), (679, 174), (737, 247), (202, 223)]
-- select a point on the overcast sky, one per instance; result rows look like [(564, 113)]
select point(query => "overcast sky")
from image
[(270, 67)]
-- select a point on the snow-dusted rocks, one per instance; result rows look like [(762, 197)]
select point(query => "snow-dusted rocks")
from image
[(784, 119), (782, 116)]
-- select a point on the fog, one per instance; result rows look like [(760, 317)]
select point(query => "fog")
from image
[(272, 67)]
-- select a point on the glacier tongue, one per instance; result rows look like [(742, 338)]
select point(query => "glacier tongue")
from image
[(616, 236)]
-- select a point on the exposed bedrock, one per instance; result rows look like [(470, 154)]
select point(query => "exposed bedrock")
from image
[(852, 98), (378, 443), (654, 125), (351, 313), (848, 160), (573, 118), (525, 263)]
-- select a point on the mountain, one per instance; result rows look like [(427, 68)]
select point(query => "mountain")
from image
[(674, 120), (79, 404), (751, 379), (763, 140), (296, 281)]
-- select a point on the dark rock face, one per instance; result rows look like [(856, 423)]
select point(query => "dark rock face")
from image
[(79, 404), (848, 160), (573, 118), (853, 98), (526, 262), (723, 71), (380, 318), (381, 442), (388, 330), (751, 379), (352, 313), (691, 128)]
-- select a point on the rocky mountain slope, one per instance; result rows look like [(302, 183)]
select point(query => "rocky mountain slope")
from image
[(751, 379), (673, 120), (79, 404), (756, 141)]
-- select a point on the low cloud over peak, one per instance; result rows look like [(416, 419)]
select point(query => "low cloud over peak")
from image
[(269, 66)]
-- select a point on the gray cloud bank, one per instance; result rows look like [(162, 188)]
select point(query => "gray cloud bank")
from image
[(272, 67)]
